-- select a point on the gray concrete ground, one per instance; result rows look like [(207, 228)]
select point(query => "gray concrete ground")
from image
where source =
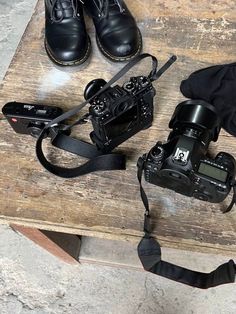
[(33, 281)]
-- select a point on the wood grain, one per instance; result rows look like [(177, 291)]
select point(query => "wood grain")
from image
[(107, 204)]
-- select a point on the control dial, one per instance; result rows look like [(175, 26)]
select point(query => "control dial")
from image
[(98, 107), (129, 86)]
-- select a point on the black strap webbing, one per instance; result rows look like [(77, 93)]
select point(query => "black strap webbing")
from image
[(60, 140), (75, 146), (99, 163), (233, 201), (149, 252)]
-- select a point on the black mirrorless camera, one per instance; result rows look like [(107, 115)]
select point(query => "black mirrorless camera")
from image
[(119, 112), (116, 114), (182, 163), (29, 119)]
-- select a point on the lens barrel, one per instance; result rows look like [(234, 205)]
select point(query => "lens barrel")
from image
[(196, 115)]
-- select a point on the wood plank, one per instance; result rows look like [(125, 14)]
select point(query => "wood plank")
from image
[(45, 242), (124, 254), (108, 204)]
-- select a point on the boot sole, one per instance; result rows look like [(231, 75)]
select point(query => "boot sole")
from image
[(68, 63), (120, 59)]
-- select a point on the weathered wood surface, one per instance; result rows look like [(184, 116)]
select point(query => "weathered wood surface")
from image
[(108, 204)]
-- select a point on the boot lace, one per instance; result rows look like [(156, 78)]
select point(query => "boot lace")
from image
[(105, 6), (57, 5)]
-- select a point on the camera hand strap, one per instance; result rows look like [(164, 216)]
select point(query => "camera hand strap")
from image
[(98, 161), (149, 252)]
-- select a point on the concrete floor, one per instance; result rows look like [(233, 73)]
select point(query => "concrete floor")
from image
[(33, 281)]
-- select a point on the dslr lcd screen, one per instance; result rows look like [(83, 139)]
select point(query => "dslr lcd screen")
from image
[(121, 124), (212, 172)]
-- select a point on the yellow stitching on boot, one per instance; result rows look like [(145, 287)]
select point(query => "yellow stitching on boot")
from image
[(71, 62), (121, 58), (80, 61)]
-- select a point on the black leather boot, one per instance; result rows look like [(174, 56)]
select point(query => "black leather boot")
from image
[(66, 39), (117, 34)]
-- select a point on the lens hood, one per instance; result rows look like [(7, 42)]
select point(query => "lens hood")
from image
[(196, 114)]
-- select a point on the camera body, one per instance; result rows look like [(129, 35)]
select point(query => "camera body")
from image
[(182, 163), (120, 112), (29, 119)]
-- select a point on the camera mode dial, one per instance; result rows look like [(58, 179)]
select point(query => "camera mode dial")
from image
[(129, 86), (98, 107), (225, 160)]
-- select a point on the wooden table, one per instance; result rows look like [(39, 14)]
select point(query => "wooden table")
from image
[(107, 204)]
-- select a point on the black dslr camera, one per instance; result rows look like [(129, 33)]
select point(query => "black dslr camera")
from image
[(119, 112), (29, 119), (182, 163)]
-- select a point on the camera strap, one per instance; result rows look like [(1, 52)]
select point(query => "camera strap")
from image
[(149, 252), (97, 160), (233, 201)]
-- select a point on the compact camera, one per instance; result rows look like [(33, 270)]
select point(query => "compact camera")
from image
[(183, 164), (29, 119), (119, 112)]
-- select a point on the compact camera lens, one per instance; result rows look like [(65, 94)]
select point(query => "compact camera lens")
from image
[(35, 128), (35, 132)]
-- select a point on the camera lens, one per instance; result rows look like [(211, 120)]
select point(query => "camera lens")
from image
[(197, 119), (35, 128), (35, 132)]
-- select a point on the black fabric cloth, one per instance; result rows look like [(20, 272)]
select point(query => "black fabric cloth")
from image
[(216, 85)]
